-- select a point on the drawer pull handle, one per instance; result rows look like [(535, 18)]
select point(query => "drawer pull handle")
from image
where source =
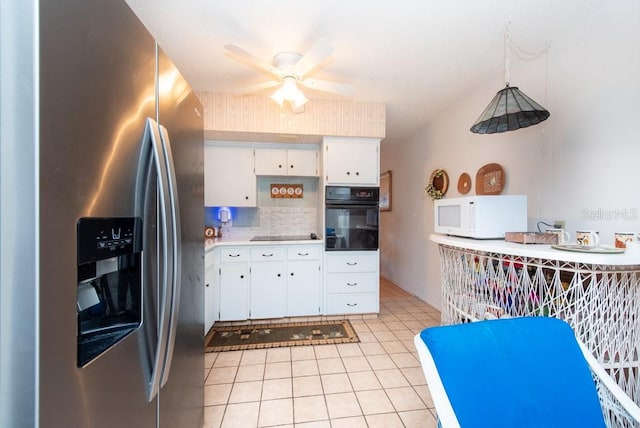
[(241, 276), (291, 274), (303, 254), (267, 255), (279, 275), (206, 285), (352, 284), (352, 264), (352, 304), (234, 255)]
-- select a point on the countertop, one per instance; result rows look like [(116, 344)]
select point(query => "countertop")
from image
[(500, 246), (235, 240)]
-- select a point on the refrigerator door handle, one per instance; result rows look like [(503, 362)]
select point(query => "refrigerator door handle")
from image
[(176, 254), (166, 265)]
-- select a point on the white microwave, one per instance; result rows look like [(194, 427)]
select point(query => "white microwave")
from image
[(481, 217)]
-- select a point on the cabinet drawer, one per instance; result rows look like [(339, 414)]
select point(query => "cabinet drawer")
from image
[(352, 282), (352, 262), (234, 255), (304, 252), (352, 303), (265, 254)]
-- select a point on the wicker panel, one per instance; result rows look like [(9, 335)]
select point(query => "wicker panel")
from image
[(601, 303)]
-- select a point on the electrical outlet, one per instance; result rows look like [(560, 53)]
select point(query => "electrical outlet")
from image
[(558, 224)]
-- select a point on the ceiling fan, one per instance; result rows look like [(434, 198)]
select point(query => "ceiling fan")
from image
[(291, 69)]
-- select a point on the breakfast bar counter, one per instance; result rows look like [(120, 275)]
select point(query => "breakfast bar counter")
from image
[(597, 294)]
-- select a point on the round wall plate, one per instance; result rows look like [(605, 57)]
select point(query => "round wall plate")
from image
[(464, 183)]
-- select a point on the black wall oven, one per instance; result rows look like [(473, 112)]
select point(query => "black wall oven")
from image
[(351, 218)]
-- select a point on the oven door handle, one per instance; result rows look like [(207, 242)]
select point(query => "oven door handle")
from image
[(344, 206)]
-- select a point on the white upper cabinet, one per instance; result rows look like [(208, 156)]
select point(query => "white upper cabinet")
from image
[(286, 162), (229, 178), (352, 161)]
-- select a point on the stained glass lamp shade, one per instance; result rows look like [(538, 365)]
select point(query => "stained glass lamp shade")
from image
[(509, 110)]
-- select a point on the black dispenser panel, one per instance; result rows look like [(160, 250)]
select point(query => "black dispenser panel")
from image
[(109, 297)]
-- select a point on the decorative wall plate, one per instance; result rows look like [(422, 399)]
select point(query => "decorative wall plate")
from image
[(438, 184), (490, 179), (287, 191), (464, 183)]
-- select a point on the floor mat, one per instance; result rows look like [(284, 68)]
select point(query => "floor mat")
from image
[(259, 336)]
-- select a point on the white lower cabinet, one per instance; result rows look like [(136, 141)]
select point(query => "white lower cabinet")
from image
[(304, 280), (268, 293), (210, 290), (234, 284), (352, 282), (270, 281)]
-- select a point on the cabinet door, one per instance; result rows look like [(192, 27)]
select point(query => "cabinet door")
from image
[(303, 288), (268, 290), (302, 163), (286, 162), (271, 162), (229, 179), (210, 312), (234, 291), (352, 162), (212, 288)]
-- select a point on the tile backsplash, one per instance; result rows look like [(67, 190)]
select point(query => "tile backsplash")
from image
[(274, 216)]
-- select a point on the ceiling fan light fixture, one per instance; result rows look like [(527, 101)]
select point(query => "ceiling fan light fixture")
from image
[(299, 100), (278, 97), (290, 70), (289, 91)]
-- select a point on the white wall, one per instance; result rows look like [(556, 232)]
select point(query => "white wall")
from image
[(582, 165)]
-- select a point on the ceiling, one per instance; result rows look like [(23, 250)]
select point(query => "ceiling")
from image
[(417, 56)]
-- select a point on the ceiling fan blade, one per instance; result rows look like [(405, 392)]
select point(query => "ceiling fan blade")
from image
[(316, 55), (328, 86), (255, 88), (251, 59)]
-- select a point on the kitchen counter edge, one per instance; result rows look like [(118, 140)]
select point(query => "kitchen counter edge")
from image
[(210, 244), (537, 251)]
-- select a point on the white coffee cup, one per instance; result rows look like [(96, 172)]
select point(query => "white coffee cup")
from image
[(563, 235), (588, 238), (621, 239)]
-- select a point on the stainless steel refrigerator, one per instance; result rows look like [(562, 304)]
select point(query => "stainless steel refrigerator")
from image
[(101, 220)]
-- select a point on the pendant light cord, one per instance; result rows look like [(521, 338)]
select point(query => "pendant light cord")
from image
[(520, 53), (507, 56)]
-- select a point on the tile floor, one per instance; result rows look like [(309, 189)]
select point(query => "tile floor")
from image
[(375, 383)]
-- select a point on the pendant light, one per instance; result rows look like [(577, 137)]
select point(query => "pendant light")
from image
[(510, 109)]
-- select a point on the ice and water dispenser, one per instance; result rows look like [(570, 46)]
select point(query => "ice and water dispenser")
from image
[(109, 303)]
